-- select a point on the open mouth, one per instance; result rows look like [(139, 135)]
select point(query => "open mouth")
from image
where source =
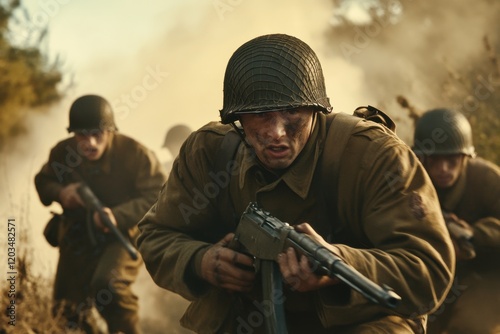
[(278, 151), (91, 151)]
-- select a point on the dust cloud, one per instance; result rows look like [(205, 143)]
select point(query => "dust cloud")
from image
[(414, 53)]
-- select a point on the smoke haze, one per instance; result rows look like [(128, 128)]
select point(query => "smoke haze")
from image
[(414, 53)]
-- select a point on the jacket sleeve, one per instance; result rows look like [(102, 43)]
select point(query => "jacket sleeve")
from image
[(393, 208), (149, 177), (50, 180), (183, 221), (487, 228)]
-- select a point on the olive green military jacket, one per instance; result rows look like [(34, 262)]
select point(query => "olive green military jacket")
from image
[(390, 227), (127, 178), (475, 198)]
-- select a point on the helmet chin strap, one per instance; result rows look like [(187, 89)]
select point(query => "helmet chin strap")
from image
[(313, 124), (241, 133)]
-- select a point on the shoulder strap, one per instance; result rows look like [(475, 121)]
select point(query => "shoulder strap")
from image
[(227, 150), (226, 153), (375, 115), (339, 129)]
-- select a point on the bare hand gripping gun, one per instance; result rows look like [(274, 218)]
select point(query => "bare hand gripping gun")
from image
[(92, 203), (264, 237), (461, 235)]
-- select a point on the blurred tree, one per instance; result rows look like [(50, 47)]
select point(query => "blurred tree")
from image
[(27, 79), (420, 55)]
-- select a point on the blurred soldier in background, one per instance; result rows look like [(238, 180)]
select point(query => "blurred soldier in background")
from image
[(173, 142), (469, 192), (94, 269)]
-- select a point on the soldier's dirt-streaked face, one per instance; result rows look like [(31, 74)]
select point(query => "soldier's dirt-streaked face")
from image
[(444, 170), (278, 137), (92, 144)]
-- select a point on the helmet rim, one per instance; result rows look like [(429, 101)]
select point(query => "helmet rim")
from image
[(273, 72), (443, 132), (90, 113)]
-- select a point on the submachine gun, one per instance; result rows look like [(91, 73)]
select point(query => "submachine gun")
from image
[(462, 236), (92, 203), (264, 237)]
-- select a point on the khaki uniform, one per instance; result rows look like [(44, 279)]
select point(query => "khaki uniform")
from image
[(94, 269), (389, 227), (473, 304)]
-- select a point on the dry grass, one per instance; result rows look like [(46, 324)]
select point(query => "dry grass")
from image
[(33, 303), (160, 310)]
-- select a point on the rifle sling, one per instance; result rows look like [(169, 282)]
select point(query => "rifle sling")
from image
[(338, 134), (226, 153)]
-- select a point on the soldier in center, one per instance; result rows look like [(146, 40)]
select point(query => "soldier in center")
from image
[(381, 216)]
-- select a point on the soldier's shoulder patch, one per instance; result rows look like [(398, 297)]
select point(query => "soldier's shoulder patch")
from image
[(416, 205)]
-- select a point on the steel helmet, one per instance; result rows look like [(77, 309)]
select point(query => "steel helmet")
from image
[(273, 72), (443, 131), (176, 135), (91, 112)]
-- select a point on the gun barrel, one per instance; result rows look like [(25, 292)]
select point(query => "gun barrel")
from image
[(331, 265), (93, 203), (372, 291)]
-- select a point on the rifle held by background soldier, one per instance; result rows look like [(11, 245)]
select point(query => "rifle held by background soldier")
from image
[(461, 236), (92, 203)]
